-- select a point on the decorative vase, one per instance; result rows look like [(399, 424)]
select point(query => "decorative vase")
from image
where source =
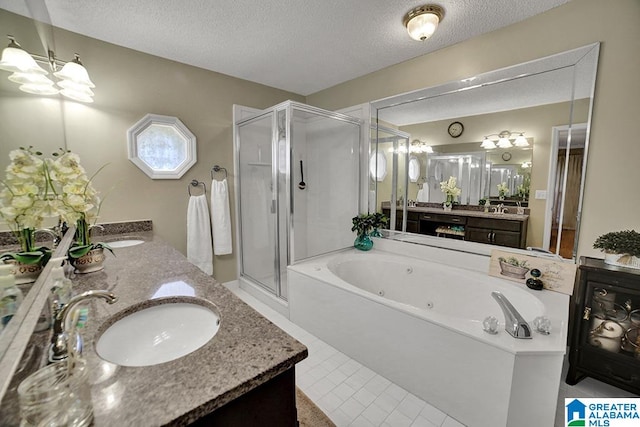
[(376, 233), (92, 261), (501, 197), (363, 242), (447, 207), (622, 260), (24, 273), (510, 270)]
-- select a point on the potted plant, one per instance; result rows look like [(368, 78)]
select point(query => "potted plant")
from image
[(451, 192), (503, 190), (483, 202), (24, 202), (620, 248), (82, 205), (380, 220), (362, 225), (513, 267)]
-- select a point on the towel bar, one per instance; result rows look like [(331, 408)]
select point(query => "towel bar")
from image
[(217, 168), (195, 183)]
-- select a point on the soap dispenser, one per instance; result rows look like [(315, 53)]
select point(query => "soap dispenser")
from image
[(10, 295)]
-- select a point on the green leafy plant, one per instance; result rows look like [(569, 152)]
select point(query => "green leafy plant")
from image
[(379, 220), (514, 261), (25, 199), (450, 190), (482, 202), (364, 223), (619, 242)]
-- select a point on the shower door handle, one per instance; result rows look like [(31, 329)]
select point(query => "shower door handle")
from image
[(273, 206)]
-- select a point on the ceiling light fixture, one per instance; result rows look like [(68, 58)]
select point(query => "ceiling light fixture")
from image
[(421, 22), (504, 140), (74, 80)]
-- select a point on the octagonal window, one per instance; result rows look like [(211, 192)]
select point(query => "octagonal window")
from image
[(162, 146)]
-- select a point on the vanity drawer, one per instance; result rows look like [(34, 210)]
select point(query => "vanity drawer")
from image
[(495, 224), (447, 219)]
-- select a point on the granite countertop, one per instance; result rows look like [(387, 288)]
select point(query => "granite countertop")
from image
[(247, 351), (462, 212)]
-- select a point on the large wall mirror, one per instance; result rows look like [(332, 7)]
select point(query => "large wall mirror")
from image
[(536, 114), (41, 120)]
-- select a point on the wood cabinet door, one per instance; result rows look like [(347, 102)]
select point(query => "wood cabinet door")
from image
[(493, 237)]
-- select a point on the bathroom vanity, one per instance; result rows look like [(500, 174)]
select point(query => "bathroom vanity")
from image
[(503, 229), (243, 376)]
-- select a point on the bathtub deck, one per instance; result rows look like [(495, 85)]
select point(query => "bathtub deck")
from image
[(353, 395)]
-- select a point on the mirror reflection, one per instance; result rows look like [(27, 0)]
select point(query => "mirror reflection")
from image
[(514, 139), (41, 120)]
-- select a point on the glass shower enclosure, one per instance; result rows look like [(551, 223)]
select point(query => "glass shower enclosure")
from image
[(298, 180)]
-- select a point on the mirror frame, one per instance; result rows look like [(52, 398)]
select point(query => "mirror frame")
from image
[(569, 59), (23, 322)]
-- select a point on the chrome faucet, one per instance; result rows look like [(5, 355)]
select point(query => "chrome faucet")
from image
[(59, 348), (514, 323), (55, 235), (500, 209)]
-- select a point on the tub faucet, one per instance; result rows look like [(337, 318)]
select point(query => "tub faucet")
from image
[(514, 324), (59, 348)]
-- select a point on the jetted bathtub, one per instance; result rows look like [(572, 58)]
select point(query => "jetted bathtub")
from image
[(419, 324)]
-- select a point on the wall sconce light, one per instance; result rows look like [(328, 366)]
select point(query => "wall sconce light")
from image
[(422, 21), (74, 80), (416, 147), (504, 140)]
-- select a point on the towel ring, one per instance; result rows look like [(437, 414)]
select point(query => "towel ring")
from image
[(217, 168), (195, 183)]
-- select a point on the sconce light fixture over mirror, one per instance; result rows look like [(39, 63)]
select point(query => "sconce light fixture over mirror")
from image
[(74, 80), (504, 140), (162, 146)]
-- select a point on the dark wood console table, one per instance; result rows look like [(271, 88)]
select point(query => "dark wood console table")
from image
[(605, 325)]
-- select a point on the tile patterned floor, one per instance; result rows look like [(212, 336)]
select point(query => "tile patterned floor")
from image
[(354, 395)]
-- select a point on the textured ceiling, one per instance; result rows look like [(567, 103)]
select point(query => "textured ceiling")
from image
[(302, 46)]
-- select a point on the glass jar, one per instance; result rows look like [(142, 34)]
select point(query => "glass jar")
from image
[(57, 396)]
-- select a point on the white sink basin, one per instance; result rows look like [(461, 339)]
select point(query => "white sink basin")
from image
[(125, 243), (158, 334)]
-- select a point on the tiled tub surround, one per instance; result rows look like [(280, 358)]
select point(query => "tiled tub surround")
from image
[(247, 351), (440, 354)]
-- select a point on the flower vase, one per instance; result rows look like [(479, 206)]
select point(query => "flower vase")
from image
[(363, 242), (501, 197), (447, 207), (622, 260), (24, 273), (89, 263), (376, 233)]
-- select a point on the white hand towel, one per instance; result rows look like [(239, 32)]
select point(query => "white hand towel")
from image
[(220, 218), (199, 249), (423, 194)]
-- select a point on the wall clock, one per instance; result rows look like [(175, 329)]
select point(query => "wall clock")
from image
[(506, 156), (455, 129)]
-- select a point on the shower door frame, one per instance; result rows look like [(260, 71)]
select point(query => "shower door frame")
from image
[(288, 209)]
